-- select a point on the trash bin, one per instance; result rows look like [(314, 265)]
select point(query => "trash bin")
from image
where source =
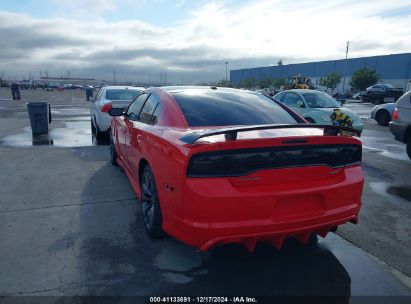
[(40, 117)]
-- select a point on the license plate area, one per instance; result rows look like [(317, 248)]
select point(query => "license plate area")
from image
[(299, 207)]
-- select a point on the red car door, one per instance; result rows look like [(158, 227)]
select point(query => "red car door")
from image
[(137, 134), (126, 128)]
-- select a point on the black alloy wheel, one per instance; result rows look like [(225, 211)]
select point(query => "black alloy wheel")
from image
[(382, 117), (150, 205)]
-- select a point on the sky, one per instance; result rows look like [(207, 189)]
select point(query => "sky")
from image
[(189, 42)]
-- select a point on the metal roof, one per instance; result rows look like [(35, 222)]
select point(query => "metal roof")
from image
[(394, 66)]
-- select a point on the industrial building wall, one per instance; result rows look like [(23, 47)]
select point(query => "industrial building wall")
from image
[(394, 69)]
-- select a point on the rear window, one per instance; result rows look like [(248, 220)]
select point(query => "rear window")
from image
[(121, 94), (225, 108)]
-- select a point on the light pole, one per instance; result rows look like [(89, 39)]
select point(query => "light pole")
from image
[(226, 66), (345, 65)]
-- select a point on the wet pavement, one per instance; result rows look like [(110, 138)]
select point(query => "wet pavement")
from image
[(70, 126), (86, 237), (72, 134), (71, 225)]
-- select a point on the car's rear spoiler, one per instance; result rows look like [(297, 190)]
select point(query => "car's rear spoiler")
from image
[(231, 133)]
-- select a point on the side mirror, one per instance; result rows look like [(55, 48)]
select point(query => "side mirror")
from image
[(300, 104), (116, 112)]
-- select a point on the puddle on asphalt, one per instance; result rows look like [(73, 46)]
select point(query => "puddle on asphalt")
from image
[(74, 134), (393, 151), (384, 188), (402, 192), (180, 263), (71, 111)]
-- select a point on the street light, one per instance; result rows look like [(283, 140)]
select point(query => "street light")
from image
[(226, 65), (345, 65)]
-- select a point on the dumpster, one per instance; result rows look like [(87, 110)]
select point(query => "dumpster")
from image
[(40, 117)]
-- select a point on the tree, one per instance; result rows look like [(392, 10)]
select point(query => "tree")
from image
[(223, 83), (363, 78), (265, 83), (331, 81), (247, 83), (278, 82)]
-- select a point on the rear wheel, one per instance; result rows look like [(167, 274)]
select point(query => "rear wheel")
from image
[(93, 130), (409, 147), (113, 153), (150, 204), (382, 117), (99, 136)]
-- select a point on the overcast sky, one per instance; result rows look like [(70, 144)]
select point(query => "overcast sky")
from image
[(190, 41)]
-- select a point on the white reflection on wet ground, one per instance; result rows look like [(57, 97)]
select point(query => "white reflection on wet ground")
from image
[(73, 134)]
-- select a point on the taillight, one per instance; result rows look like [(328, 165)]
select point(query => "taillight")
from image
[(395, 115), (246, 161), (107, 107)]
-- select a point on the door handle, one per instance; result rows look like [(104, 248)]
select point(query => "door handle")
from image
[(139, 138)]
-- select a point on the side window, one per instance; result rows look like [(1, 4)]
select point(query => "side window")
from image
[(280, 97), (135, 107), (98, 96), (156, 113), (291, 99), (151, 105)]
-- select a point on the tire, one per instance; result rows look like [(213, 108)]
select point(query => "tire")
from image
[(310, 120), (113, 153), (382, 117), (150, 205), (409, 147), (100, 136), (93, 130)]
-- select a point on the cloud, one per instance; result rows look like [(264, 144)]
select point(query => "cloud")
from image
[(250, 34)]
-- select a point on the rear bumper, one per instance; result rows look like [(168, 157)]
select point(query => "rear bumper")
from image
[(358, 125), (271, 213), (398, 130), (103, 121), (277, 238)]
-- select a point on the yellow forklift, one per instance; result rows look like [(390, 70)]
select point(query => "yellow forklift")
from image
[(298, 82)]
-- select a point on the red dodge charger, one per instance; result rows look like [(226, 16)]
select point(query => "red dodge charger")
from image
[(216, 165)]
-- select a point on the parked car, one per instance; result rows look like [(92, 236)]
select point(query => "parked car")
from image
[(318, 108), (118, 96), (400, 126), (358, 95), (341, 98), (26, 84), (218, 165), (381, 92), (383, 113)]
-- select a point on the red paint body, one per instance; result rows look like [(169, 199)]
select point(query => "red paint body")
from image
[(267, 205)]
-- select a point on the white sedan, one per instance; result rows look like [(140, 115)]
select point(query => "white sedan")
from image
[(119, 97)]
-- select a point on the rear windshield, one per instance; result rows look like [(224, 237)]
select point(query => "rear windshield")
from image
[(226, 108), (121, 94)]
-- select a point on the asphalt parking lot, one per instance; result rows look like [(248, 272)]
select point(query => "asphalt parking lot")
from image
[(71, 225)]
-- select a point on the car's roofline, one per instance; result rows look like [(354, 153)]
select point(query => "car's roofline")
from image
[(302, 91), (123, 87), (176, 89)]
